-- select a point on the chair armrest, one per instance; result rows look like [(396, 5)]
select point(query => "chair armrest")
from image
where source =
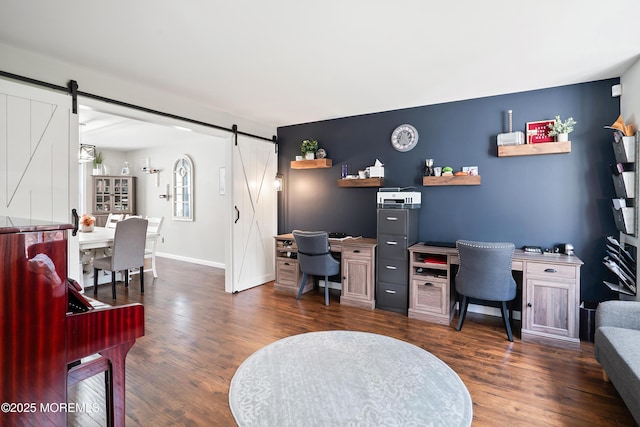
[(621, 314)]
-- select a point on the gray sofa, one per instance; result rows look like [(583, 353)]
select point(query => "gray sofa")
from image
[(617, 348)]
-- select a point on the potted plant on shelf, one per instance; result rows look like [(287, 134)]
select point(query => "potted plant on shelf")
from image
[(97, 164), (561, 129), (309, 148)]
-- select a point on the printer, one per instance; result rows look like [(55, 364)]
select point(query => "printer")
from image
[(401, 198)]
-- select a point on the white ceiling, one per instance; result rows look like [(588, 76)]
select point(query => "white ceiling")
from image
[(283, 62), (119, 133)]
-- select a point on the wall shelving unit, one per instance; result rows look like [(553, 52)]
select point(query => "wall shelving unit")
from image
[(534, 149), (430, 181)]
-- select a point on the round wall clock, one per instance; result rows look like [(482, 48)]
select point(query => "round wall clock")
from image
[(404, 138)]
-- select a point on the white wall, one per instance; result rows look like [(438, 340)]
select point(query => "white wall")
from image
[(630, 99), (201, 240)]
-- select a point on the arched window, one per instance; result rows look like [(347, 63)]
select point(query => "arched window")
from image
[(183, 189)]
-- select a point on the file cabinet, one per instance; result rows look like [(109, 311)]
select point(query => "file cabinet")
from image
[(397, 230)]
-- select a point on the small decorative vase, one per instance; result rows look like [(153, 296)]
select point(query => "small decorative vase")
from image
[(98, 169), (86, 228), (310, 155), (562, 137)]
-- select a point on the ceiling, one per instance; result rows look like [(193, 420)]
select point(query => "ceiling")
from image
[(119, 133), (284, 62)]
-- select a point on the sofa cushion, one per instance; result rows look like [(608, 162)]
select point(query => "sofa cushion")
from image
[(618, 352)]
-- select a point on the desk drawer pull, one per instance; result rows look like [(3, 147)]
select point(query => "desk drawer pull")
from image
[(550, 270), (356, 251), (428, 284), (392, 218), (286, 263), (391, 267), (389, 291), (391, 242)]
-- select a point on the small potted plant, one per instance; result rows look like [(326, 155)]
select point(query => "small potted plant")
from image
[(561, 129), (97, 164), (309, 148)]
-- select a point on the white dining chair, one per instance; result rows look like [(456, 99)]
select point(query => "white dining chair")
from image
[(113, 219), (154, 226)]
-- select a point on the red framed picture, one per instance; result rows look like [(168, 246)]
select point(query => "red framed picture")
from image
[(538, 132)]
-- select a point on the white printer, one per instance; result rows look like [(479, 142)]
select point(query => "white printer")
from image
[(396, 197)]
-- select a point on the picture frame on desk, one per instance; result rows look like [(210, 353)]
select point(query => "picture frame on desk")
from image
[(538, 132)]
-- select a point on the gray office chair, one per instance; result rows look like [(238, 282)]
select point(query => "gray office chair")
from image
[(314, 258), (485, 275), (128, 252)]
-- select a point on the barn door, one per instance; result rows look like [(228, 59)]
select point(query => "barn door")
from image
[(254, 222), (38, 164)]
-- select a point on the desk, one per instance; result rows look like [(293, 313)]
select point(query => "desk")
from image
[(550, 291), (357, 265)]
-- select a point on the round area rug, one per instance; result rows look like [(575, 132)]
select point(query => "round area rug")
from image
[(344, 378)]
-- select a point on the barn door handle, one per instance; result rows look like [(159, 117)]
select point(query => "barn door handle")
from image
[(237, 214), (76, 221)]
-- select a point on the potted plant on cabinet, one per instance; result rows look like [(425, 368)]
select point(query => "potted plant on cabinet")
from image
[(309, 148), (97, 164), (561, 129)]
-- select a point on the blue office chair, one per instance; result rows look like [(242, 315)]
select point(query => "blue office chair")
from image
[(314, 258), (485, 275)]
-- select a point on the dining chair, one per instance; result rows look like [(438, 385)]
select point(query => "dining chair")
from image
[(128, 252), (314, 258), (485, 276), (155, 224), (113, 219)]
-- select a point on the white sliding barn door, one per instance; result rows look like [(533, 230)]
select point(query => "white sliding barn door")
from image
[(253, 221), (38, 160)]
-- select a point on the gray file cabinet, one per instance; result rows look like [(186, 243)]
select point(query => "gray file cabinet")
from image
[(397, 230)]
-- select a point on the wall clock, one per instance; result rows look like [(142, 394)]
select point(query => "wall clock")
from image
[(404, 138)]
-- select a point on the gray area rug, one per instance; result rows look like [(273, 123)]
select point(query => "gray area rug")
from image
[(344, 378)]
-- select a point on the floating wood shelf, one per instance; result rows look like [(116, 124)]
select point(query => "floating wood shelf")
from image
[(451, 180), (534, 149), (311, 164), (364, 182)]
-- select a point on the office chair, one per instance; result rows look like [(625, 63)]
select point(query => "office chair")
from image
[(485, 275), (128, 252), (314, 258)]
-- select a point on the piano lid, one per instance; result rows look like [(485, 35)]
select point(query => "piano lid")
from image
[(10, 224)]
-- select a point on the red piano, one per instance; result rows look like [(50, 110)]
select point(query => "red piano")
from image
[(47, 327)]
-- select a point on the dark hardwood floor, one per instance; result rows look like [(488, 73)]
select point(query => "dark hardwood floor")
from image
[(197, 335)]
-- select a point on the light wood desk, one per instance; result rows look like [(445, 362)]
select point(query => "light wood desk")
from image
[(357, 269), (550, 293)]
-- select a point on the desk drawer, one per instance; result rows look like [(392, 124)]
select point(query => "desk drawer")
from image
[(429, 295), (287, 271), (551, 271), (357, 251)]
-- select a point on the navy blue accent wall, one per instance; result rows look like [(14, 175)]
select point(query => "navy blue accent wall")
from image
[(536, 200)]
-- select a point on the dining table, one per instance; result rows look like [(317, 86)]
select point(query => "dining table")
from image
[(90, 243)]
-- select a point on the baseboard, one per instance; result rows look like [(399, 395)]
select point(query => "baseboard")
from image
[(191, 260)]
